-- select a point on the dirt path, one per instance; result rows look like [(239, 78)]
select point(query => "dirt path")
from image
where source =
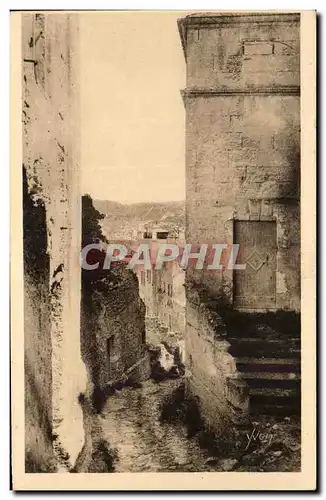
[(130, 426)]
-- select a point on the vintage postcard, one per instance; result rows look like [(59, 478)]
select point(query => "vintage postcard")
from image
[(163, 262)]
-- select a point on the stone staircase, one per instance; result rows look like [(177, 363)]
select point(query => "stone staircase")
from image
[(269, 370)]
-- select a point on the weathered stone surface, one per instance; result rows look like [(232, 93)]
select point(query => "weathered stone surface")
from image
[(112, 309), (163, 293), (242, 51), (242, 164), (52, 307), (228, 464), (243, 146), (208, 366)]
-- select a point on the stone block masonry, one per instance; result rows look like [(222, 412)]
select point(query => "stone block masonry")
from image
[(242, 104), (163, 293), (209, 365), (238, 52), (243, 136), (113, 329)]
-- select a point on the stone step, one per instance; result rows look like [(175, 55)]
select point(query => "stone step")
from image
[(256, 347), (264, 400), (264, 334), (264, 392), (274, 365), (270, 367), (273, 392), (270, 380), (270, 376), (275, 401), (288, 409), (254, 341), (265, 325)]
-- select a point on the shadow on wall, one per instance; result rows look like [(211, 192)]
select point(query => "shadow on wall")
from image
[(39, 456), (243, 323)]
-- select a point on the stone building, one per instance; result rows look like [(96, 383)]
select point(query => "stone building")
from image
[(169, 293), (242, 103), (162, 290), (152, 235), (55, 375), (113, 332)]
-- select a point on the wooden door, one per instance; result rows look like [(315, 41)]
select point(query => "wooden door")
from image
[(255, 287)]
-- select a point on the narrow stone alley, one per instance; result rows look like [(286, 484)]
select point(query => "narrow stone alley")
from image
[(133, 438), (131, 426)]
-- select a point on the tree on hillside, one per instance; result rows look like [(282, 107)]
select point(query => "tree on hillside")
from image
[(91, 227)]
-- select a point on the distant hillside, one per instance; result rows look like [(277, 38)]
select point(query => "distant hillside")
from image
[(121, 221)]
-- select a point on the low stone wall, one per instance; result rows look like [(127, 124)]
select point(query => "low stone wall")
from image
[(211, 373)]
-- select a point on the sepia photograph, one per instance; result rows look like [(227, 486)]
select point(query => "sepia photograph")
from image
[(160, 220)]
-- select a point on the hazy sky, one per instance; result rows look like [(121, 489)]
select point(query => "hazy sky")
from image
[(133, 135)]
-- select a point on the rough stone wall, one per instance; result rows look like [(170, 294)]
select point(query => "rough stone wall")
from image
[(38, 381), (163, 298), (168, 300), (170, 296), (163, 293), (243, 137), (178, 299), (208, 364), (146, 288), (113, 309), (55, 372)]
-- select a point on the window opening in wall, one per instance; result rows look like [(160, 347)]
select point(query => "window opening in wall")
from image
[(162, 235)]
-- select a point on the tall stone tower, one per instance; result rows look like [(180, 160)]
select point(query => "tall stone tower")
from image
[(243, 151), (242, 103)]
